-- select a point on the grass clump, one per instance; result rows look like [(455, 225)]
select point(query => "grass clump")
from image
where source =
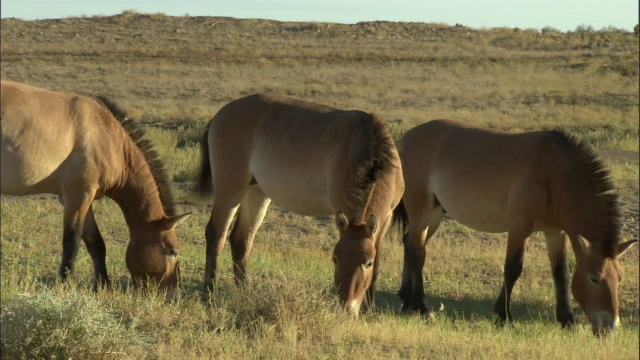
[(48, 326), (276, 308)]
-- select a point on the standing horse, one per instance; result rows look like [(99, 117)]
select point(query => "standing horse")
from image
[(312, 160), (80, 148), (495, 181)]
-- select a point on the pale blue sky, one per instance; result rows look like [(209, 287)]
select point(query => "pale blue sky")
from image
[(560, 14)]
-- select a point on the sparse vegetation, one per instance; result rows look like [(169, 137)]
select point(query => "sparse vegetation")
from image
[(174, 73), (65, 325)]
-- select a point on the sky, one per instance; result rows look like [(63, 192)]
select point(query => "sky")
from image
[(564, 15)]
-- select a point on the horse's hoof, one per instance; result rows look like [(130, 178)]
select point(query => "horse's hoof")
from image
[(503, 324), (427, 314), (567, 322), (405, 307)]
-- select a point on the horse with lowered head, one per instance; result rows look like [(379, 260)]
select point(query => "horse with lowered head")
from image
[(312, 160), (81, 147), (495, 181)]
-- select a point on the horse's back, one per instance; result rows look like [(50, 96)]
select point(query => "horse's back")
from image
[(41, 129), (445, 144)]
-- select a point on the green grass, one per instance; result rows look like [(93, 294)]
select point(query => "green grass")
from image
[(287, 309)]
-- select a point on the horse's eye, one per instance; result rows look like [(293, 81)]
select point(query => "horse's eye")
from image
[(594, 279), (172, 252), (368, 264)]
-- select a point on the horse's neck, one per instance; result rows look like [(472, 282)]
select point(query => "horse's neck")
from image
[(138, 195), (588, 220)]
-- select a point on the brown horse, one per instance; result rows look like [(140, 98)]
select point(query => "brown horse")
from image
[(312, 160), (495, 181), (81, 147)]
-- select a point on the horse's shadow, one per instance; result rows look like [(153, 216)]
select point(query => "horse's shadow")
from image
[(466, 308), (473, 308)]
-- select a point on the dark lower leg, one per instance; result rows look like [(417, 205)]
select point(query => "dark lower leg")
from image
[(239, 253), (557, 243), (211, 265), (412, 289), (418, 301), (97, 250), (406, 286), (560, 273), (512, 270), (70, 246)]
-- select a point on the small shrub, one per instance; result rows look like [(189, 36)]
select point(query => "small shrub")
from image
[(584, 29), (549, 29), (47, 326)]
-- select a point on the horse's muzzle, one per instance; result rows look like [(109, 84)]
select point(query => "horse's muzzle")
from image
[(603, 323), (353, 307)]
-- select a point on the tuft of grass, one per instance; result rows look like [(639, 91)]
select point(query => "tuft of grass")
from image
[(45, 325), (276, 307)]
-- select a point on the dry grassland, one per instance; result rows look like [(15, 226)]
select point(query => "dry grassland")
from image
[(174, 73)]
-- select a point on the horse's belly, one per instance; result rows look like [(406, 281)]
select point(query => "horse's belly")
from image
[(300, 193), (480, 210), (482, 219), (18, 177)]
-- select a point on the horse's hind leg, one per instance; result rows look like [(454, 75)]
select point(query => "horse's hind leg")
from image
[(216, 234), (516, 243), (229, 191), (557, 243), (76, 205), (252, 210), (96, 247), (423, 223)]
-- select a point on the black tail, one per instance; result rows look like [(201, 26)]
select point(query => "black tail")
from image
[(205, 187), (400, 219)]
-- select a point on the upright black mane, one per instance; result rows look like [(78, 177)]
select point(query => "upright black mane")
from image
[(136, 132), (598, 179), (377, 157)]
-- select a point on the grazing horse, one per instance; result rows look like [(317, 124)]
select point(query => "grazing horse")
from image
[(80, 148), (494, 181), (312, 160)]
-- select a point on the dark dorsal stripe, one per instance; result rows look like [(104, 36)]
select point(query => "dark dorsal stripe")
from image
[(136, 133)]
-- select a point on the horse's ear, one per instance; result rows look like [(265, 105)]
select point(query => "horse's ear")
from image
[(622, 248), (341, 221), (372, 225), (584, 244), (171, 222)]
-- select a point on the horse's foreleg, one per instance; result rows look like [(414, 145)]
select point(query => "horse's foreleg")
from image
[(423, 223), (252, 210), (76, 206), (516, 243), (96, 247), (369, 297), (557, 243)]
